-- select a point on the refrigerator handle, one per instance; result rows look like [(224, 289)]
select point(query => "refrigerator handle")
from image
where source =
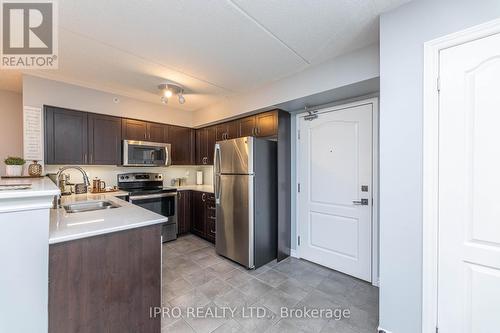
[(217, 161), (217, 189)]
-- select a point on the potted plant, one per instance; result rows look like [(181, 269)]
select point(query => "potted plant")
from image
[(14, 166)]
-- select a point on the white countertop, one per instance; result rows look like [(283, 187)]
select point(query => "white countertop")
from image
[(66, 227), (200, 188), (40, 187)]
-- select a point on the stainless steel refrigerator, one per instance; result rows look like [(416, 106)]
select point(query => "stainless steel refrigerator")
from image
[(245, 185)]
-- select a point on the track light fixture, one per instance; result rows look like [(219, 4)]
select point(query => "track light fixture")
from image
[(168, 90)]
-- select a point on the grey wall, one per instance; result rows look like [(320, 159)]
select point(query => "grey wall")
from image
[(403, 33), (11, 126)]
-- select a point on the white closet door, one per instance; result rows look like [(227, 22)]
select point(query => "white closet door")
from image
[(469, 188)]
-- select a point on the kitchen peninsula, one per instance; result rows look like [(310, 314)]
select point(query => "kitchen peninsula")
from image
[(96, 261), (104, 265)]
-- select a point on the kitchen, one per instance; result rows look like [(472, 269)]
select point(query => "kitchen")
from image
[(89, 112), (104, 168)]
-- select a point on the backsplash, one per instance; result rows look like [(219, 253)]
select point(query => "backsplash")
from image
[(108, 173)]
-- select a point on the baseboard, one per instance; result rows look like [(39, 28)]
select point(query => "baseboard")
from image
[(376, 283), (293, 253)]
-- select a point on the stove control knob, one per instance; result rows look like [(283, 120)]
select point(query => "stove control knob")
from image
[(126, 177)]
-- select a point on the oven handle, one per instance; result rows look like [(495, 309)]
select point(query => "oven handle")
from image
[(152, 196)]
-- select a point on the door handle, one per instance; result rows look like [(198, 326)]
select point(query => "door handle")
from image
[(362, 202)]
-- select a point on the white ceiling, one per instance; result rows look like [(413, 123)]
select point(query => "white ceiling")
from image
[(214, 48)]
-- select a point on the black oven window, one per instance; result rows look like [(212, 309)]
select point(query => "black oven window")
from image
[(164, 206)]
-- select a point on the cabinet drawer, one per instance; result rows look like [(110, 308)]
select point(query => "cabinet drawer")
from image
[(211, 229)]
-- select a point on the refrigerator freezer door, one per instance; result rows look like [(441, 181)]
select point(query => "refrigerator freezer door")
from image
[(235, 219), (234, 156)]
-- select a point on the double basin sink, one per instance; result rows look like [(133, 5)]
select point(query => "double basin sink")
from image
[(89, 206)]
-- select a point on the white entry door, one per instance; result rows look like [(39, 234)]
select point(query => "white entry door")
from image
[(469, 188), (335, 198)]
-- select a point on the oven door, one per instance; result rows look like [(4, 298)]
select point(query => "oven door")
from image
[(142, 153), (160, 203), (164, 204)]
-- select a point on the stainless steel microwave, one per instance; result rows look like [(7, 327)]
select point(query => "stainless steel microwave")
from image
[(143, 153)]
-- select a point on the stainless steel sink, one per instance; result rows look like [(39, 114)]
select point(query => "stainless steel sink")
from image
[(89, 206)]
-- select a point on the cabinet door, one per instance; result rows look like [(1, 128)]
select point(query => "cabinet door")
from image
[(198, 223), (232, 130), (65, 136), (210, 145), (201, 146), (183, 145), (247, 126), (134, 130), (184, 211), (156, 132), (220, 132), (105, 134), (267, 124)]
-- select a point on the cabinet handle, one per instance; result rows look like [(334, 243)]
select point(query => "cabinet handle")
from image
[(145, 136), (179, 194), (85, 158), (203, 197)]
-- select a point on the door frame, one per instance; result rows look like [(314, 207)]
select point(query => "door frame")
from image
[(430, 209), (374, 101)]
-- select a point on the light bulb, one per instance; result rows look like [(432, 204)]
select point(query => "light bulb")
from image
[(167, 93), (182, 100)]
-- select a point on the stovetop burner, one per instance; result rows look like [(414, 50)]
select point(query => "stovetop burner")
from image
[(142, 183)]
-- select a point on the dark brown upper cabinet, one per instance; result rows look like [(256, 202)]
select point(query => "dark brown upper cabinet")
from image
[(65, 136), (134, 130), (143, 131), (205, 145), (182, 140), (104, 138), (156, 132), (226, 131), (247, 126), (266, 124)]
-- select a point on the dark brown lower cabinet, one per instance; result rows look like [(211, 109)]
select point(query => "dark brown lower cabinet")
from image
[(184, 211), (203, 216), (198, 225), (106, 283), (210, 217)]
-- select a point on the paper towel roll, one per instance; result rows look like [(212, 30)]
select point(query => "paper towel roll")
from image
[(199, 177)]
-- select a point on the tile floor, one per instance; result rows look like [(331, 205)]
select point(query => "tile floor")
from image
[(195, 277)]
